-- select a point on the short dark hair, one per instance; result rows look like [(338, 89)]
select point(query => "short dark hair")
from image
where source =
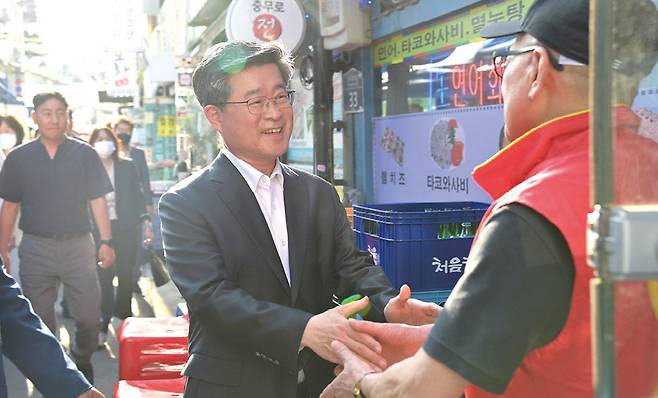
[(14, 125), (211, 77), (40, 98), (124, 121), (94, 136)]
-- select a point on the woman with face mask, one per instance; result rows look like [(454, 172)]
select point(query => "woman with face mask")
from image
[(11, 136), (127, 213)]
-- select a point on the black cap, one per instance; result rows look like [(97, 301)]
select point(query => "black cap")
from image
[(562, 25)]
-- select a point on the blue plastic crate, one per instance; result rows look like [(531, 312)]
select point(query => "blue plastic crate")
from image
[(432, 296), (425, 245)]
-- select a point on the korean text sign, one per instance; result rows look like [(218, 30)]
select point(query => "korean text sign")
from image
[(429, 157)]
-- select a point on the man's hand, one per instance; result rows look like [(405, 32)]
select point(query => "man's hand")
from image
[(398, 341), (332, 325), (354, 369), (6, 260), (105, 256), (404, 309), (148, 233), (91, 393)]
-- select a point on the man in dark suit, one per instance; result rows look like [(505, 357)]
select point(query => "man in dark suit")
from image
[(258, 249), (123, 128), (28, 343)]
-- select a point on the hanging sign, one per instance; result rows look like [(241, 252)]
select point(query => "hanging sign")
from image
[(352, 91), (265, 21), (429, 157), (458, 29)]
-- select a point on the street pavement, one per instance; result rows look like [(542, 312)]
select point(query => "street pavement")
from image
[(158, 302)]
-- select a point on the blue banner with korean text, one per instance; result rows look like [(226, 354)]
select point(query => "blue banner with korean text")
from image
[(429, 157)]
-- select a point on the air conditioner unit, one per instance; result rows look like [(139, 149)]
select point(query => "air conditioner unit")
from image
[(344, 25)]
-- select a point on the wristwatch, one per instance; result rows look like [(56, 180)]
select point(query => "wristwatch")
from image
[(105, 242)]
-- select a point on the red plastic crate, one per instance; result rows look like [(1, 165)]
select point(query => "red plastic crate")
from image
[(152, 348), (167, 388)]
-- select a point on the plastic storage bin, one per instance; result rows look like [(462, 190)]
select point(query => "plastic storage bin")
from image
[(152, 348), (167, 388), (425, 245)]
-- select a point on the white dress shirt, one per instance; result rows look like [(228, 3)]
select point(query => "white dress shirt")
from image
[(268, 191)]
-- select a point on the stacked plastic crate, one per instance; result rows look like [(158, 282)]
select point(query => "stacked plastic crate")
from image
[(424, 245), (152, 354)]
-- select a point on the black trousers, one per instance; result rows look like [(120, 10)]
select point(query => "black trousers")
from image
[(118, 303)]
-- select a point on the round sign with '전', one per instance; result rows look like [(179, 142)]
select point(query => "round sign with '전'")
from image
[(267, 20)]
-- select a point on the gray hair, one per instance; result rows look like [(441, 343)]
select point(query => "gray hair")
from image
[(210, 79)]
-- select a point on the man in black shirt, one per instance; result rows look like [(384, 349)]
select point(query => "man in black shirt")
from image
[(517, 324), (516, 299), (56, 181)]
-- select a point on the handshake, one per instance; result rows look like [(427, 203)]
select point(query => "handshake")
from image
[(362, 347)]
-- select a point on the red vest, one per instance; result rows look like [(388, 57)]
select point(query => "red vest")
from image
[(548, 170)]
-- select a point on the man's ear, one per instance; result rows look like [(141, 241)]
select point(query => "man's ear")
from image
[(214, 115), (34, 116), (542, 71)]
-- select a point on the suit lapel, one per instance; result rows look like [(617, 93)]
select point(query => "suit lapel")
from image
[(296, 198), (238, 197)]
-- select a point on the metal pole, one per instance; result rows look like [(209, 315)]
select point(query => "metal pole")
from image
[(323, 92), (602, 287)]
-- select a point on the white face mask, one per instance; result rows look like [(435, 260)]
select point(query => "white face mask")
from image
[(7, 141), (105, 149)]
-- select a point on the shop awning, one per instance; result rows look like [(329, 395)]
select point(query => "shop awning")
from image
[(465, 54), (210, 11), (7, 97)]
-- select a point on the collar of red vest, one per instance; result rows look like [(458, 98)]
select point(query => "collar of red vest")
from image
[(512, 165)]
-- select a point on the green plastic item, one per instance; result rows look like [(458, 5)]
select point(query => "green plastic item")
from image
[(361, 314)]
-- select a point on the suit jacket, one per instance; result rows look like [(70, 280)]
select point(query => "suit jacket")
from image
[(128, 194), (246, 322), (28, 343), (138, 156)]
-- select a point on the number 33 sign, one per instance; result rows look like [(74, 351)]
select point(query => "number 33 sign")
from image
[(352, 91)]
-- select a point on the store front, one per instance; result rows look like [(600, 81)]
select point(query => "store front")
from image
[(436, 109)]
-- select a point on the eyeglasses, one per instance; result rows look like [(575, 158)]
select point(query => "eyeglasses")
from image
[(257, 105), (502, 57)]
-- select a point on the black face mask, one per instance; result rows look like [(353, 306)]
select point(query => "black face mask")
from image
[(125, 138)]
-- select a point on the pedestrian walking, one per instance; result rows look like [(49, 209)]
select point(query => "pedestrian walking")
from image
[(11, 136), (124, 129), (127, 214), (57, 182)]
